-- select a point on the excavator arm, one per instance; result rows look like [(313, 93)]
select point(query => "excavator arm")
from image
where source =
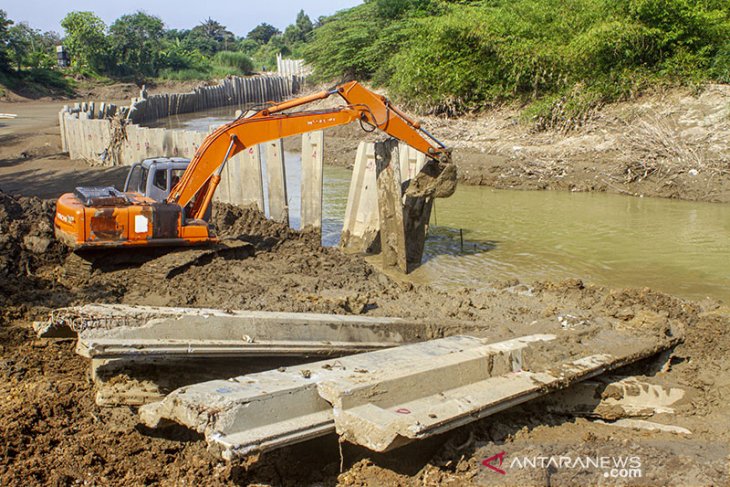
[(203, 173)]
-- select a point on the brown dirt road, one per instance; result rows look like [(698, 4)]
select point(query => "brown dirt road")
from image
[(53, 433)]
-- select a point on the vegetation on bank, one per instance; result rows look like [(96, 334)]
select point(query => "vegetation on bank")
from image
[(560, 58), (137, 47)]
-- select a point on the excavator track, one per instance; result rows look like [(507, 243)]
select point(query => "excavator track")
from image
[(156, 262)]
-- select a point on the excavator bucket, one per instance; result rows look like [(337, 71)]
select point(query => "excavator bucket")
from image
[(437, 179)]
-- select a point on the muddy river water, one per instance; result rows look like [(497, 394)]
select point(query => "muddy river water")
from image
[(480, 235)]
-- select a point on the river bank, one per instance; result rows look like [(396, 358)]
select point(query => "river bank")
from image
[(673, 144)]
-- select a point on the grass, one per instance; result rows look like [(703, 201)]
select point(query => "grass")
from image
[(37, 83)]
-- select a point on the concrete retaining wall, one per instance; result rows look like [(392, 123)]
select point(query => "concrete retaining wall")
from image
[(103, 133), (291, 67)]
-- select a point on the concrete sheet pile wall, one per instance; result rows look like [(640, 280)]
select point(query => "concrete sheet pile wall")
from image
[(103, 133), (379, 218), (230, 91)]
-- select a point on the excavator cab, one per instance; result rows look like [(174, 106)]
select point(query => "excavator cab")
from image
[(156, 177)]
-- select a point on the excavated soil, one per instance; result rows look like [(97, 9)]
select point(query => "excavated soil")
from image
[(54, 434)]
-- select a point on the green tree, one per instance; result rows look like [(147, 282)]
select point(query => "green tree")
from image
[(248, 46), (136, 43), (29, 48), (265, 56), (20, 43), (210, 37), (5, 24), (298, 31), (43, 53), (304, 23), (85, 39), (262, 33)]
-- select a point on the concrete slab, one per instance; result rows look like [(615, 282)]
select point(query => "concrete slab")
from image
[(361, 226), (386, 398), (122, 322), (276, 178), (641, 424), (390, 205), (117, 331), (312, 178)]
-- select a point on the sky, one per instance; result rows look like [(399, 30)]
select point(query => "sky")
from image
[(240, 16)]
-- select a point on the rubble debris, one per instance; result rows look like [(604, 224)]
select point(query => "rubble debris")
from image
[(647, 425), (611, 398)]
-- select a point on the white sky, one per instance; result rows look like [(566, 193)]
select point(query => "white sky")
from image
[(240, 16)]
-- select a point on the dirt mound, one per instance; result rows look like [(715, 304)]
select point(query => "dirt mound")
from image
[(249, 224), (27, 244)]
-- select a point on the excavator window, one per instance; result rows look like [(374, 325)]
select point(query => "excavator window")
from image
[(160, 179), (137, 180), (176, 175)]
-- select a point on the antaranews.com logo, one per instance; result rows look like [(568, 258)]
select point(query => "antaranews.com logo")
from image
[(623, 467)]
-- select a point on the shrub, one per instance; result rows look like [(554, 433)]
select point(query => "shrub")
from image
[(564, 60), (237, 61)]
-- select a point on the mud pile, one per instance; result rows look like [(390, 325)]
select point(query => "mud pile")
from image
[(27, 244), (249, 224)]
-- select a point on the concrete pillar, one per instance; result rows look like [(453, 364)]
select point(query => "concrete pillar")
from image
[(69, 124), (361, 226), (390, 205), (62, 127), (411, 161), (276, 172), (251, 177), (235, 179), (312, 165)]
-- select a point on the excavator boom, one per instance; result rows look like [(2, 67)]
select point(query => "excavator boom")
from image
[(271, 124)]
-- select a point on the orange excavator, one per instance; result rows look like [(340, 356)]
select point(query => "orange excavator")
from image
[(104, 217)]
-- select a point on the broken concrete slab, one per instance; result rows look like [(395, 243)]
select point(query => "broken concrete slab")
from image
[(279, 407), (642, 424), (611, 398), (116, 331), (386, 398)]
